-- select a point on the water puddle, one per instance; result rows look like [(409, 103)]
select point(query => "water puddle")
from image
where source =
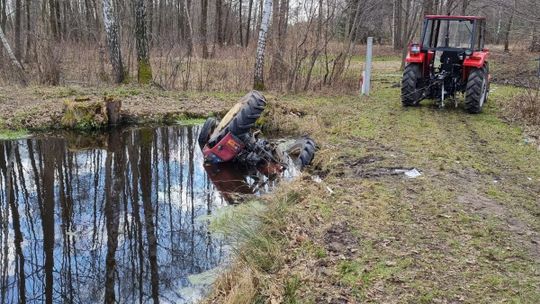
[(117, 217)]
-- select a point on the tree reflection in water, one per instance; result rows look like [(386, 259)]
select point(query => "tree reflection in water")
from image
[(116, 221)]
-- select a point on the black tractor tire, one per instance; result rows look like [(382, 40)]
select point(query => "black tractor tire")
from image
[(302, 151), (248, 115), (411, 90), (476, 91), (206, 131), (486, 72), (243, 120)]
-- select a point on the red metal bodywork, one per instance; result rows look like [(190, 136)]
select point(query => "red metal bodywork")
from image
[(445, 17), (225, 150), (476, 60)]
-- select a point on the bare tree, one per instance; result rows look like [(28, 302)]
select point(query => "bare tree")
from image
[(204, 17), (261, 46), (18, 66), (509, 28), (219, 22), (189, 31), (248, 26), (144, 71), (113, 40)]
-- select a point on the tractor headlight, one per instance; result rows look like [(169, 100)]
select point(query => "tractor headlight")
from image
[(415, 48), (468, 52)]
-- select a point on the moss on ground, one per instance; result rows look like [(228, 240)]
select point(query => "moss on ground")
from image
[(144, 72), (13, 134), (466, 231)]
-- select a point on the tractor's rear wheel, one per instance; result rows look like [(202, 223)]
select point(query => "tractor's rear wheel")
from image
[(241, 118), (477, 90), (411, 90), (248, 115), (206, 131)]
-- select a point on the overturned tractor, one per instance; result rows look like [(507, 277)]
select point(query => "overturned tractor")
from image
[(236, 139)]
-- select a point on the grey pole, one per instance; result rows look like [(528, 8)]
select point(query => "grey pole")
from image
[(367, 77)]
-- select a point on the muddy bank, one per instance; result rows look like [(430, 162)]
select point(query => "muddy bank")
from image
[(38, 108)]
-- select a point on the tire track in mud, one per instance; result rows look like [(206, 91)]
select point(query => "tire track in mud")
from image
[(478, 203)]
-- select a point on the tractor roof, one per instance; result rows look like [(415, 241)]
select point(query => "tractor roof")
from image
[(445, 17)]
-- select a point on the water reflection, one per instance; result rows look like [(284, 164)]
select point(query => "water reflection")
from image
[(123, 222)]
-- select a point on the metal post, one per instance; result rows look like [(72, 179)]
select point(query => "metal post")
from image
[(367, 79)]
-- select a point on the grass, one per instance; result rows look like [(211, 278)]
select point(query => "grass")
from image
[(463, 232), (13, 134)]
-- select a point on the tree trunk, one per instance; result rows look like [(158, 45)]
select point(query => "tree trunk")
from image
[(144, 72), (508, 30), (219, 22), (18, 45), (58, 19), (204, 17), (28, 31), (248, 27), (3, 14), (397, 25), (428, 7), (189, 31), (261, 46), (113, 40), (241, 29), (279, 30), (14, 60), (499, 25), (535, 41), (464, 6)]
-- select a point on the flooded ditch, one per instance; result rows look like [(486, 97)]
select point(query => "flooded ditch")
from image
[(116, 217)]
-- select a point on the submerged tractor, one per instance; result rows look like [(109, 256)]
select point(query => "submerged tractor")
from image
[(450, 59)]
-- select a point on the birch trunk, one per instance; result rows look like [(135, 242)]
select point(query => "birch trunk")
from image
[(189, 28), (261, 46), (113, 40), (144, 72), (14, 60)]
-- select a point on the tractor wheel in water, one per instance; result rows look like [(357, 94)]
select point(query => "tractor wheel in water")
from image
[(241, 118), (302, 152), (477, 90), (411, 91), (206, 131)]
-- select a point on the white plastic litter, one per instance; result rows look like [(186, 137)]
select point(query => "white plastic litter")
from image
[(413, 173)]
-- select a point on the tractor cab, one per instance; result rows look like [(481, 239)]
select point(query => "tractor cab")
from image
[(451, 48)]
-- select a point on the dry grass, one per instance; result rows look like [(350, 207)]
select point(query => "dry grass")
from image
[(229, 69), (466, 231)]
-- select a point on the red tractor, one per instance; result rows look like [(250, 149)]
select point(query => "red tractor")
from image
[(451, 58)]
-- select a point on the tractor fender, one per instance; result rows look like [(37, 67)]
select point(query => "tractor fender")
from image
[(415, 58), (476, 60)]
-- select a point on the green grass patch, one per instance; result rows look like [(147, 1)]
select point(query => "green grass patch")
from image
[(13, 134)]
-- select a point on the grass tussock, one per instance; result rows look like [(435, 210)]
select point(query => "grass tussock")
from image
[(525, 107)]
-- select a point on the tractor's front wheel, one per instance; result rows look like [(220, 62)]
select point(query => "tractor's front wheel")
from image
[(411, 90), (477, 90)]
